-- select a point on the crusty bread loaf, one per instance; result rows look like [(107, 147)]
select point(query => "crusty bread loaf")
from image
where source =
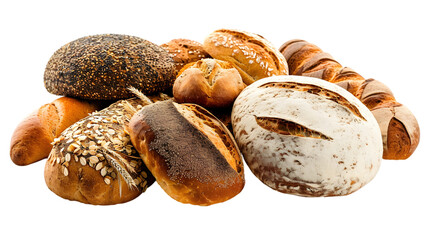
[(209, 83), (93, 161), (252, 55), (191, 154), (184, 51), (399, 128), (306, 136), (104, 67), (32, 138)]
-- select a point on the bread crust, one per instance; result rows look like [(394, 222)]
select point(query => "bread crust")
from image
[(253, 56), (32, 138), (104, 66), (209, 82), (305, 136), (186, 163), (399, 127), (86, 185), (184, 51), (94, 162)]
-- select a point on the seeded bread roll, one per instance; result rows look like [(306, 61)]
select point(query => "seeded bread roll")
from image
[(184, 51), (31, 140), (252, 55), (191, 154), (105, 66), (209, 83), (93, 161)]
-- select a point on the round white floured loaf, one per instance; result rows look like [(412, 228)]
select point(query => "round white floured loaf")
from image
[(306, 136)]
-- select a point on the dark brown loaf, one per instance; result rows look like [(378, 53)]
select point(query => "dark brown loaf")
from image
[(184, 51), (105, 66), (209, 83), (399, 127), (32, 138), (93, 161), (191, 154)]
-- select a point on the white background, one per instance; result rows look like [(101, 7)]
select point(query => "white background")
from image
[(385, 40)]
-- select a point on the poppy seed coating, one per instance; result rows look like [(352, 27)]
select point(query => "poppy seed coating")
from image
[(103, 67)]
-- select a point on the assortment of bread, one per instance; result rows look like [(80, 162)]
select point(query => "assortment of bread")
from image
[(231, 101)]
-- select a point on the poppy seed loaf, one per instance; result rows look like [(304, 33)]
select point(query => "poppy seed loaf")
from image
[(104, 66)]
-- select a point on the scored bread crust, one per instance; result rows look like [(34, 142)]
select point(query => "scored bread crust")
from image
[(187, 163), (253, 56), (399, 127), (209, 83), (184, 51), (31, 140)]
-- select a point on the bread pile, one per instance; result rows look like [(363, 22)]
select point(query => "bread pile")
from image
[(186, 114)]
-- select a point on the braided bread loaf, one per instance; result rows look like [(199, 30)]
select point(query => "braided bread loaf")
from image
[(399, 127)]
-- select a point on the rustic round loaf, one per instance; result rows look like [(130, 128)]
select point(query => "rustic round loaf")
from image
[(306, 136), (191, 154), (209, 83), (105, 66), (94, 162), (253, 56), (184, 51)]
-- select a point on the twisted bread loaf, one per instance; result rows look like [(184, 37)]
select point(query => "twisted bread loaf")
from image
[(399, 127)]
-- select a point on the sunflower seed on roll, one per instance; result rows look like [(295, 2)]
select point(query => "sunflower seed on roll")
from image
[(104, 66)]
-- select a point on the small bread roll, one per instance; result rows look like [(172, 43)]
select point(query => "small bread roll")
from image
[(209, 83), (253, 56), (32, 138), (191, 154), (94, 162), (184, 51), (104, 67), (306, 136)]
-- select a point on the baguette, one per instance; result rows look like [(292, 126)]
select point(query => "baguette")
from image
[(399, 128), (31, 140)]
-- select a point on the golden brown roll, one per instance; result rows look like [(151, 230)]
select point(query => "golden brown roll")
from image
[(31, 140), (252, 55), (93, 161), (184, 51), (192, 155), (209, 83)]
